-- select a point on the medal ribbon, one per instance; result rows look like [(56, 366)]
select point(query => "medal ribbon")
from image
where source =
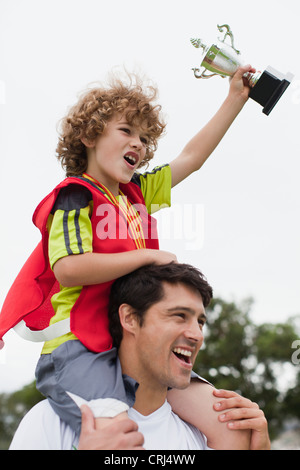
[(129, 212)]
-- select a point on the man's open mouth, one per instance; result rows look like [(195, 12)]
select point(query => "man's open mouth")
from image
[(183, 354)]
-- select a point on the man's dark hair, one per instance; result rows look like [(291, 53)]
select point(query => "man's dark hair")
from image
[(144, 287)]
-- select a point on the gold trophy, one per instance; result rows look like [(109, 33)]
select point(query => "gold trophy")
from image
[(224, 59)]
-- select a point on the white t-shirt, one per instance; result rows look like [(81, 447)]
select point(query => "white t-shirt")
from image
[(42, 429), (163, 429)]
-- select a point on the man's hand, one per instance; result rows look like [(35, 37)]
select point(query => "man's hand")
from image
[(241, 413), (118, 435)]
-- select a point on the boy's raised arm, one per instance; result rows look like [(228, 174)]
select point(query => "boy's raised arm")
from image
[(199, 148)]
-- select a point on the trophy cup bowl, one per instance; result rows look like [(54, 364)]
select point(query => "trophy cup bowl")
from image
[(224, 59)]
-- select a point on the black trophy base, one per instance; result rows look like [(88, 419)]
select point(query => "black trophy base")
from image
[(269, 89)]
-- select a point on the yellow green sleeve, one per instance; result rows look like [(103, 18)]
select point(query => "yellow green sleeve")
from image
[(156, 188), (70, 234)]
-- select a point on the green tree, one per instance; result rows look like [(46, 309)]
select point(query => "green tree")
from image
[(291, 401), (12, 409)]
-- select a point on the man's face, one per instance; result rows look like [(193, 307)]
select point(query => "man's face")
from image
[(170, 338)]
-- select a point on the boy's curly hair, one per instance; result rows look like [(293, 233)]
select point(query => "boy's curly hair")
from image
[(88, 119)]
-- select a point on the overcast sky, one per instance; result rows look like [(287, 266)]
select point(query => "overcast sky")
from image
[(245, 227)]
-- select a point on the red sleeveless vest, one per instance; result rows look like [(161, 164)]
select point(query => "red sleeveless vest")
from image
[(29, 298)]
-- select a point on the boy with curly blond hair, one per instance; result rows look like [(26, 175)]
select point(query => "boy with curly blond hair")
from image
[(96, 227)]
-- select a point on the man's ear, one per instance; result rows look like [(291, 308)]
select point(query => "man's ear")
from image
[(128, 318)]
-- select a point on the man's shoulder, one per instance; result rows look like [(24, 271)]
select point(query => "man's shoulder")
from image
[(41, 410), (38, 430)]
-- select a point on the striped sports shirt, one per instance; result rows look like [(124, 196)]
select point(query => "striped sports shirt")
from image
[(70, 230)]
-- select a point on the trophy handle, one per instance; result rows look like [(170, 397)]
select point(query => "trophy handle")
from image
[(203, 74), (229, 33), (198, 43)]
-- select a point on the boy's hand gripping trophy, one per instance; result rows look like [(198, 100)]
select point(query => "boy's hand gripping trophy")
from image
[(224, 59)]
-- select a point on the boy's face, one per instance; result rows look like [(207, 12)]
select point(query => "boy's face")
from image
[(115, 155)]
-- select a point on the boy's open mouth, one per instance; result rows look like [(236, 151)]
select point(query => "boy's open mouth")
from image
[(131, 158)]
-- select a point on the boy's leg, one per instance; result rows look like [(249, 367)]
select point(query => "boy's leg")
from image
[(94, 377)]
